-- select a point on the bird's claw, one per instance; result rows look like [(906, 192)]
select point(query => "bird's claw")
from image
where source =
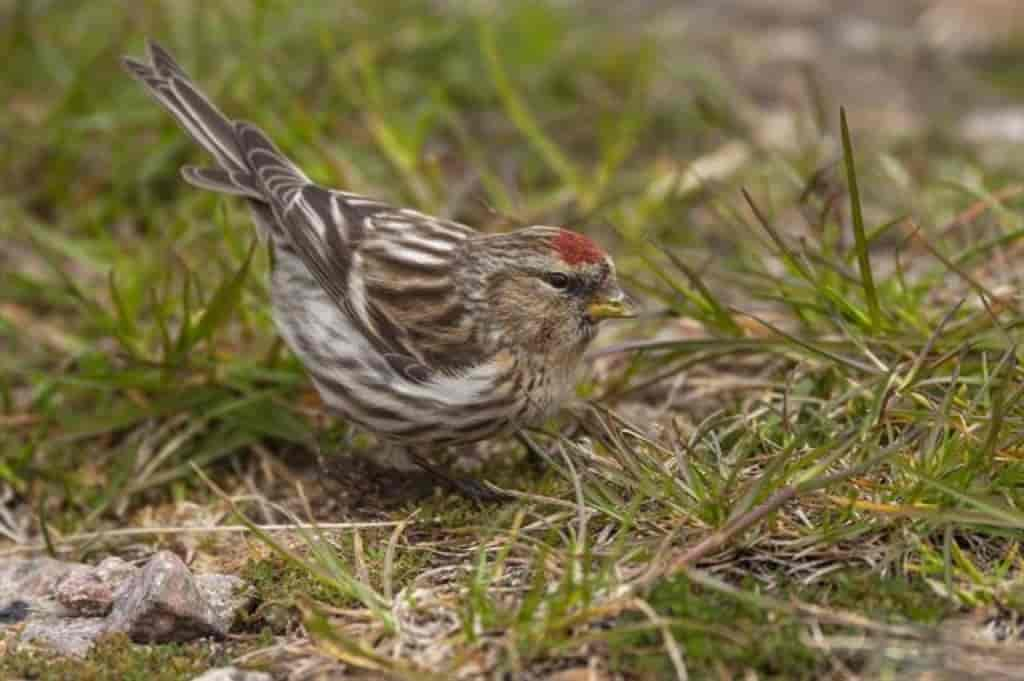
[(480, 492), (475, 490)]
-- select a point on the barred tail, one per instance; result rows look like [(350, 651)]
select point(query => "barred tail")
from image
[(239, 170)]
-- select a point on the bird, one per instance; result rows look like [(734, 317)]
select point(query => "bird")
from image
[(421, 330)]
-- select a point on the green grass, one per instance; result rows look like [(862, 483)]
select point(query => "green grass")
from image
[(837, 424)]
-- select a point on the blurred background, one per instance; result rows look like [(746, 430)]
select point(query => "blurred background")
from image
[(631, 117), (635, 121)]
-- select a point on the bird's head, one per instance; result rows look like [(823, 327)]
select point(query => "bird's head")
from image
[(550, 287)]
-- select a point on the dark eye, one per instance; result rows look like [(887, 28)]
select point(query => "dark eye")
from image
[(557, 280)]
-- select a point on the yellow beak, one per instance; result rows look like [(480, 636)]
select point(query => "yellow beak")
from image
[(610, 308)]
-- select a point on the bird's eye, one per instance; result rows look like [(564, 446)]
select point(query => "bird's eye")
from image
[(557, 280)]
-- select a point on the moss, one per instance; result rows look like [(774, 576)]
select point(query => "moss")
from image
[(278, 581), (716, 629), (116, 658), (891, 599)]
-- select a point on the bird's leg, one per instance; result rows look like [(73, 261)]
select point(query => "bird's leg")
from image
[(467, 487), (535, 456)]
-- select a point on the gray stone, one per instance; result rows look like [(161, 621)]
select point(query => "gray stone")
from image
[(26, 599), (67, 606), (227, 596), (31, 579), (163, 603), (90, 591), (64, 635), (233, 674)]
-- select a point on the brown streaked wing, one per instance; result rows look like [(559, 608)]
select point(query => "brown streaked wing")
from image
[(409, 265)]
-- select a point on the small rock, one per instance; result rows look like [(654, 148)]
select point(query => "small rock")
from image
[(227, 596), (64, 635), (30, 579), (26, 600), (90, 591), (233, 674), (163, 603), (62, 605)]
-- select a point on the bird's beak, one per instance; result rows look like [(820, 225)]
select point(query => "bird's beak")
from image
[(614, 306)]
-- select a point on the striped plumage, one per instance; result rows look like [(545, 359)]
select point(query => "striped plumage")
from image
[(419, 329)]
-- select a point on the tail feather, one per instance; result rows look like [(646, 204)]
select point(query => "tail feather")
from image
[(170, 85), (163, 61), (276, 173), (223, 181), (242, 167)]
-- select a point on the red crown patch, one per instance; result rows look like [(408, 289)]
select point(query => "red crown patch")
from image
[(576, 249)]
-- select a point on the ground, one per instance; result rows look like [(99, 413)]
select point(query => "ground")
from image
[(804, 461)]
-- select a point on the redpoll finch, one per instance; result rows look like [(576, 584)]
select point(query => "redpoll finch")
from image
[(420, 330)]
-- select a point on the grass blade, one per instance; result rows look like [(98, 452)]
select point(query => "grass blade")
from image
[(859, 235)]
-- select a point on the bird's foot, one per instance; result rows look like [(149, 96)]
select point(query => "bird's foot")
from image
[(475, 490), (479, 491), (536, 458)]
